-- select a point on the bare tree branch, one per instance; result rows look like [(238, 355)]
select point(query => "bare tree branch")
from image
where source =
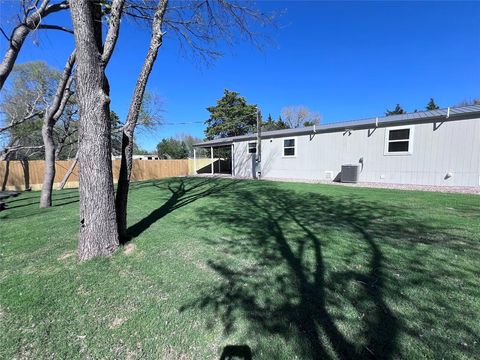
[(29, 23), (54, 27), (26, 118), (133, 114), (113, 30)]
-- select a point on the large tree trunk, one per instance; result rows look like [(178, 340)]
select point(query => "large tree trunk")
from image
[(20, 33), (123, 185), (98, 226), (52, 115)]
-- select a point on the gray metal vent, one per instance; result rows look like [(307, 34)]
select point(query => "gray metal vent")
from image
[(350, 173)]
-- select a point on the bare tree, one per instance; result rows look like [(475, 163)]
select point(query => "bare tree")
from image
[(33, 15), (53, 113), (98, 225), (132, 118), (467, 102), (300, 116), (199, 26)]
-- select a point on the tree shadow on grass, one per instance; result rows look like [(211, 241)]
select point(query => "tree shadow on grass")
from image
[(183, 191), (310, 268), (58, 200)]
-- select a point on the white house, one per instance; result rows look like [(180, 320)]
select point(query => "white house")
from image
[(438, 147)]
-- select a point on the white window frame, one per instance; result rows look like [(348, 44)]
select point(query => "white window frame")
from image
[(410, 141), (248, 147), (295, 147)]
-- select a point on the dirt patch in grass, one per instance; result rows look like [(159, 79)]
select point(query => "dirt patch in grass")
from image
[(129, 249), (118, 321)]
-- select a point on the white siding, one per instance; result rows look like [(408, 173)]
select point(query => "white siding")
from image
[(454, 147)]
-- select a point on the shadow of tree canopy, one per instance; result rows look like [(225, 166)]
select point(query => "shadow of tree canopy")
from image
[(183, 191), (310, 268)]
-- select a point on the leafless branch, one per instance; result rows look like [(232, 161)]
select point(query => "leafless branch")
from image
[(26, 118), (54, 27), (200, 26), (32, 19), (113, 29)]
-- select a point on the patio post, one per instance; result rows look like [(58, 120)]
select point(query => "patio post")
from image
[(211, 156), (194, 161)]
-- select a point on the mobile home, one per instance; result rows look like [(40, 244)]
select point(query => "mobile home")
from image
[(437, 147)]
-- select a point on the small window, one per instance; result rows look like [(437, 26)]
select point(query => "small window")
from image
[(398, 141), (289, 147), (252, 147)]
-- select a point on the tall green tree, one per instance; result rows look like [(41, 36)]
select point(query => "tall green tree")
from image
[(398, 110), (282, 124), (431, 105), (271, 124), (170, 148), (231, 116)]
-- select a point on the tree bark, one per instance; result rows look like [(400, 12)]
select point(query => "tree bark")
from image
[(5, 177), (69, 172), (20, 33), (52, 115), (121, 200), (26, 174), (98, 225)]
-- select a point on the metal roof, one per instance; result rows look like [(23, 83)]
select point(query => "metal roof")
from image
[(420, 117)]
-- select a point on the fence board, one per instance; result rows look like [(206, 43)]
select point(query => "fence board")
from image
[(17, 175)]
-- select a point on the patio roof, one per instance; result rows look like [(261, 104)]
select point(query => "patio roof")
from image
[(420, 117)]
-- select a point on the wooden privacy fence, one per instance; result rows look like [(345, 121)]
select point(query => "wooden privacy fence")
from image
[(18, 175)]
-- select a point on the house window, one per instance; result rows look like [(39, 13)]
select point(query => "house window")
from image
[(252, 147), (399, 141), (289, 147)]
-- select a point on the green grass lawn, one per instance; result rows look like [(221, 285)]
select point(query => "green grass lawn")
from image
[(294, 271)]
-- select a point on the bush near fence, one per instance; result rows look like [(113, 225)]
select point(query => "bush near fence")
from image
[(18, 175)]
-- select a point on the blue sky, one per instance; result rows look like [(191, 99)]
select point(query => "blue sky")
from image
[(346, 60)]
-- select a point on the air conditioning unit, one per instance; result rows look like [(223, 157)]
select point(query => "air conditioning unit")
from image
[(350, 173)]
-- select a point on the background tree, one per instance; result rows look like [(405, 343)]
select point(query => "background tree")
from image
[(31, 17), (398, 110), (137, 150), (171, 148), (52, 114), (189, 141), (474, 101), (300, 116), (281, 124), (231, 116), (270, 124), (431, 105), (23, 105)]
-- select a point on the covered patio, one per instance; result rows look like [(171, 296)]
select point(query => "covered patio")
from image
[(220, 156)]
